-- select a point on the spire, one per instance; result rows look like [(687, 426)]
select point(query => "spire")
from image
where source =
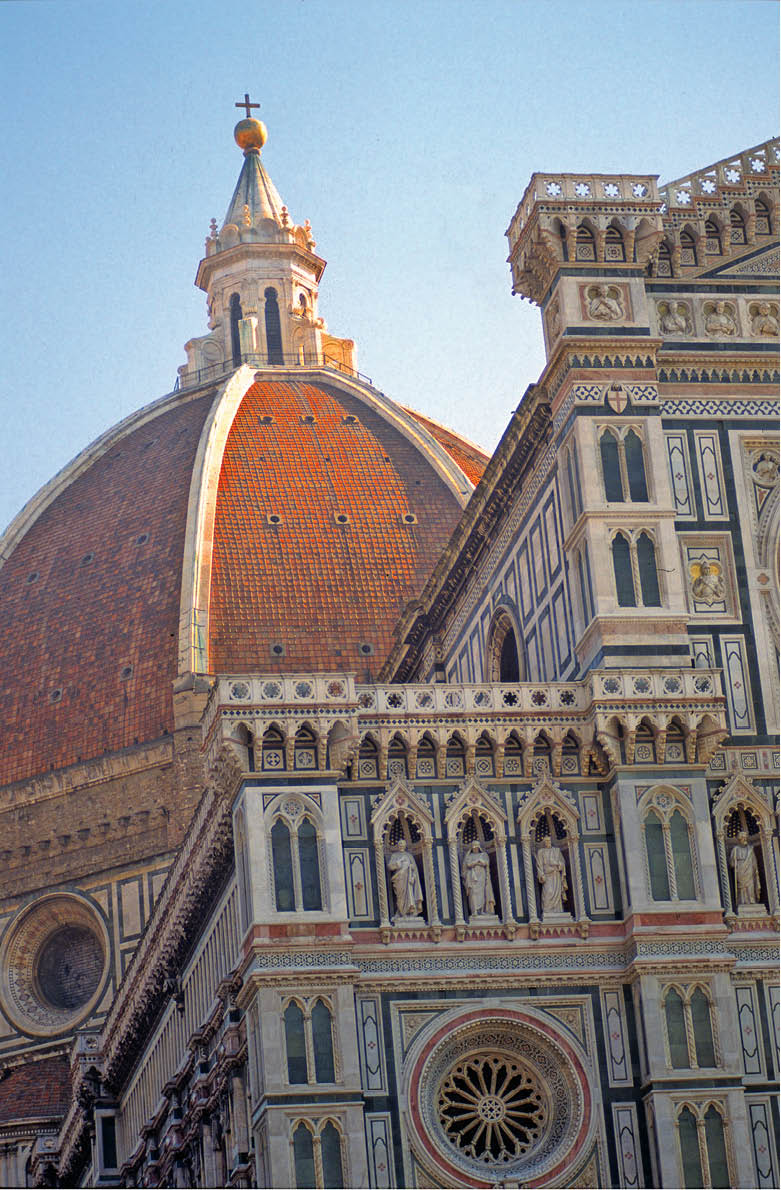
[(256, 197), (261, 275)]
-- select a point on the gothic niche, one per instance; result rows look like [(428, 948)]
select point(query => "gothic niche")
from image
[(478, 868), (552, 868), (404, 863), (745, 863)]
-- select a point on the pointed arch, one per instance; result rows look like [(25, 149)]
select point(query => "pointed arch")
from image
[(400, 814), (475, 822), (672, 869), (549, 818), (740, 808)]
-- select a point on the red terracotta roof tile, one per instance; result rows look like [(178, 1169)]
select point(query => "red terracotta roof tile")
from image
[(470, 458), (318, 587), (77, 625), (35, 1091)]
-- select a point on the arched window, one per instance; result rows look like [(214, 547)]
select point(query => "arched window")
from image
[(717, 1149), (484, 757), (712, 238), (622, 569), (657, 862), (509, 667), (689, 1029), (295, 1044), (704, 1048), (331, 1148), (503, 657), (573, 500), (235, 318), (283, 867), (295, 850), (703, 1146), (614, 245), (455, 757), (305, 749), (690, 1150), (676, 1031), (635, 466), (585, 602), (623, 466), (763, 225), (682, 857), (737, 227), (273, 751), (513, 757), (646, 564), (397, 757), (611, 467), (427, 758), (304, 1158), (561, 229), (368, 760), (311, 896), (322, 1043), (664, 261), (273, 328), (688, 248), (669, 849), (585, 244)]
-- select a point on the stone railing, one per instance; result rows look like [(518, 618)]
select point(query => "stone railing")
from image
[(589, 705), (599, 189), (732, 171)]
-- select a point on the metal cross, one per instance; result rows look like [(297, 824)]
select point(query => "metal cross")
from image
[(246, 105)]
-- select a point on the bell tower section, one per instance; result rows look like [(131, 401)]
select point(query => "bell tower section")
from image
[(580, 248)]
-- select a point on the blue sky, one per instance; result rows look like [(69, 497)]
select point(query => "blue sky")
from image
[(406, 132)]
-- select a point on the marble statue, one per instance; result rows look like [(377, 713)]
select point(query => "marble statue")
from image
[(764, 320), (476, 873), (707, 581), (744, 862), (604, 304), (720, 320), (406, 882), (675, 319), (552, 875)]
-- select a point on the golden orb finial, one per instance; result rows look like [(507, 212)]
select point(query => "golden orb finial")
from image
[(250, 134)]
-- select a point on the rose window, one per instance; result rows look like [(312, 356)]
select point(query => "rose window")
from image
[(495, 1097), (492, 1108)]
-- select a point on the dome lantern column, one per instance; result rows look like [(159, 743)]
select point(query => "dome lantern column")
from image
[(261, 275)]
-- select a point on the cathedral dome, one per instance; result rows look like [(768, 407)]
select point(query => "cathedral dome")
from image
[(276, 521)]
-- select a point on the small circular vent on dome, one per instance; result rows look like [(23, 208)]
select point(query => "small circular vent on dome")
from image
[(85, 561), (55, 695), (273, 518), (409, 518), (126, 672), (366, 649), (277, 649), (350, 420), (341, 518), (33, 577), (308, 419), (142, 539), (266, 420)]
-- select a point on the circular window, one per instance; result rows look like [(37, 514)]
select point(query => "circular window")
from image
[(69, 967), (492, 1107), (54, 962), (494, 1096)]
